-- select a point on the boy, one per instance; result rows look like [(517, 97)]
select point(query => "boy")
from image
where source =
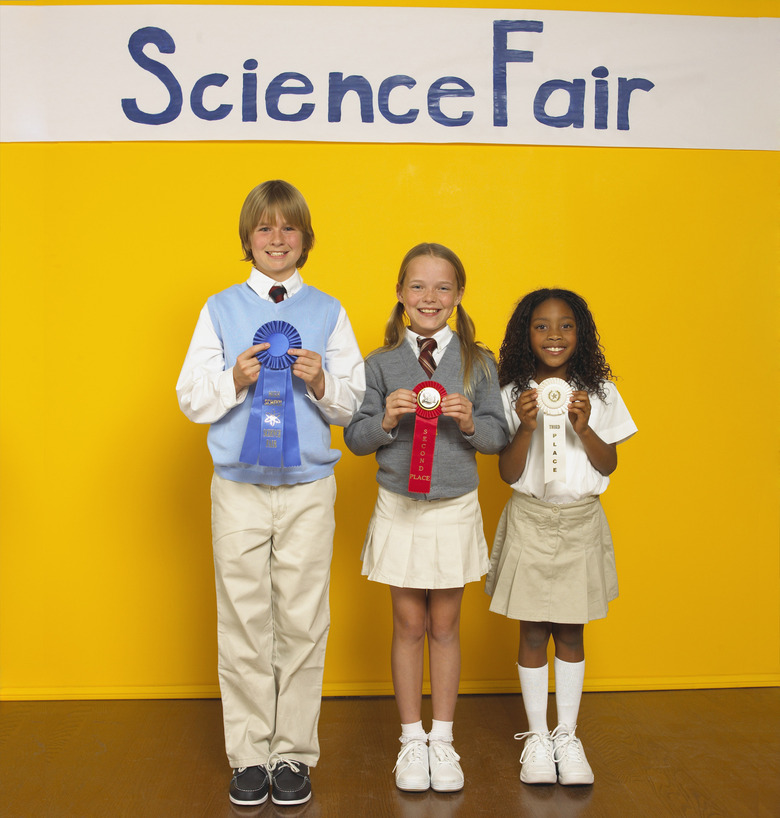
[(272, 520)]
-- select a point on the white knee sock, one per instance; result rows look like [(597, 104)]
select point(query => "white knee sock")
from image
[(569, 678), (441, 731), (533, 682)]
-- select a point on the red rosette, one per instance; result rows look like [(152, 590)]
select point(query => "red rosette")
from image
[(429, 407), (429, 397)]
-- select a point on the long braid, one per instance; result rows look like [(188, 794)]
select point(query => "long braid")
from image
[(394, 329), (473, 354)]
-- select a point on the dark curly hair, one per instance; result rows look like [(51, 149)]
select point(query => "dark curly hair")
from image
[(587, 368)]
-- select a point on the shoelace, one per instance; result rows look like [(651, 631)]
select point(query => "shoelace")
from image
[(280, 761), (412, 751), (534, 744), (566, 744), (445, 753)]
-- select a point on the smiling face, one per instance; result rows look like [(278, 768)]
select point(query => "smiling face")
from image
[(553, 337), (276, 247), (429, 293)]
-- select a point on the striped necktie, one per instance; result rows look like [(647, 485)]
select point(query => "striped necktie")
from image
[(427, 345), (277, 293)]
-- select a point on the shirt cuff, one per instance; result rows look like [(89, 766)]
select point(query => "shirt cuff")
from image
[(227, 390), (328, 394)]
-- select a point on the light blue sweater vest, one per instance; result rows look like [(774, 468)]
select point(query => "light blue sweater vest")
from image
[(237, 313)]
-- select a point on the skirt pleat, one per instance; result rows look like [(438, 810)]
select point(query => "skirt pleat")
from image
[(552, 563), (425, 543)]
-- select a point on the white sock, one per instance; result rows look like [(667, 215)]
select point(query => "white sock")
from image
[(569, 678), (413, 732), (441, 731), (533, 682)]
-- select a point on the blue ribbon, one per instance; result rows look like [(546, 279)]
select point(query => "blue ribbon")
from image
[(272, 432)]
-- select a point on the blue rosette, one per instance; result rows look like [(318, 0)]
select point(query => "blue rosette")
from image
[(272, 431)]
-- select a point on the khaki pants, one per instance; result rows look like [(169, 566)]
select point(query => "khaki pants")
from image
[(272, 553)]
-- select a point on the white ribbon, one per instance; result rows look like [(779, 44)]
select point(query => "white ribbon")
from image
[(553, 396)]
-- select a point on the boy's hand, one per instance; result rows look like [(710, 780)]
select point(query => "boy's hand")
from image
[(459, 408), (308, 367), (527, 408), (398, 403), (246, 370)]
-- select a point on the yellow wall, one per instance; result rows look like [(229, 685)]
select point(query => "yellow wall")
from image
[(108, 253)]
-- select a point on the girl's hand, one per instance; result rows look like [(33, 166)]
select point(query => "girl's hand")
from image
[(526, 409), (511, 461), (579, 411), (308, 367), (246, 370), (398, 403), (459, 408), (603, 456)]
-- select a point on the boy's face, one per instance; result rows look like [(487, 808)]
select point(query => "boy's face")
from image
[(276, 247)]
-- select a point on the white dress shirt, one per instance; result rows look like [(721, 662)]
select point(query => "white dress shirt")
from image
[(207, 392), (609, 419), (442, 338)]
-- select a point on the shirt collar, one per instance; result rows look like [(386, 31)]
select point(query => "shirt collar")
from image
[(442, 337), (261, 283)]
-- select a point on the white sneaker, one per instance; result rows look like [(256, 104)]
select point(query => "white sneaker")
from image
[(537, 759), (411, 768), (446, 774), (573, 767)]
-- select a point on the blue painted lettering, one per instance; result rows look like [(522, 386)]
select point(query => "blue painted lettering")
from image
[(196, 97), (502, 55), (339, 85), (575, 115), (383, 100), (209, 105), (165, 44), (439, 90), (601, 102), (277, 87), (249, 93), (625, 88)]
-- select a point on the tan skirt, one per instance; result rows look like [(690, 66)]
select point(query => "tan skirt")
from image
[(425, 543), (552, 563)]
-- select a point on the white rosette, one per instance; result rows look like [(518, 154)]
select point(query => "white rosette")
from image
[(553, 396)]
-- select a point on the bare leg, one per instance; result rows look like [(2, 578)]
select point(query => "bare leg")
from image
[(534, 637), (410, 614), (569, 642), (444, 650)]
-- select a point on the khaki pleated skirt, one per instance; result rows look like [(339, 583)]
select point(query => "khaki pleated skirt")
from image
[(425, 543), (552, 563)]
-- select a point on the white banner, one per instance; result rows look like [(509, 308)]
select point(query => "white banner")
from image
[(126, 73)]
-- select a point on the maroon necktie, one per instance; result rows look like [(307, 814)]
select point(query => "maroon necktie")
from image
[(427, 345), (277, 293)]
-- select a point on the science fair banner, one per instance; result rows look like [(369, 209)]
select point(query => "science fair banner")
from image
[(510, 76)]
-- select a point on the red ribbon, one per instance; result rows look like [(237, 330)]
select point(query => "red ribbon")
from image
[(424, 441)]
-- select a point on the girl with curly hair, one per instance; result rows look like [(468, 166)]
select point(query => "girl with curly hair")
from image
[(553, 564)]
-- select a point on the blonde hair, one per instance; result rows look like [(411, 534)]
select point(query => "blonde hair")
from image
[(269, 200), (473, 355)]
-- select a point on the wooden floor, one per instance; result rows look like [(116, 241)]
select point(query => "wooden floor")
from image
[(689, 753)]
